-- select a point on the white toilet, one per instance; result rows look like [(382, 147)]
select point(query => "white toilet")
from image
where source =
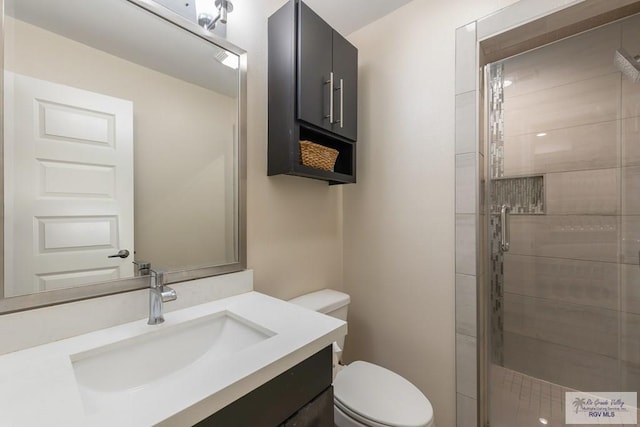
[(368, 395)]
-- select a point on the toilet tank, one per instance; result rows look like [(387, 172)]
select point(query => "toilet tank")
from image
[(327, 301)]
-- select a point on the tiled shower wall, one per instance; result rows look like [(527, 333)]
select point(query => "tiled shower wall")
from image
[(469, 222), (572, 313), (468, 161)]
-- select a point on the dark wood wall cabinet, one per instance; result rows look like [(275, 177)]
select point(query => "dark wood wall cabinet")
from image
[(313, 92)]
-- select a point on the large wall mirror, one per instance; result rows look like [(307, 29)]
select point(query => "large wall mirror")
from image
[(123, 142)]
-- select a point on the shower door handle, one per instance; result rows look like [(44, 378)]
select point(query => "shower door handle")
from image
[(330, 83), (505, 238)]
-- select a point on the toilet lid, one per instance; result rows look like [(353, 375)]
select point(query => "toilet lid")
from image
[(380, 395)]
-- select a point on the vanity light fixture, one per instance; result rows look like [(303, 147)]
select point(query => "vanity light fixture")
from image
[(507, 83), (541, 134), (210, 12)]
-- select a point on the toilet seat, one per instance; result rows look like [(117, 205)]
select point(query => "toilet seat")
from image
[(378, 397)]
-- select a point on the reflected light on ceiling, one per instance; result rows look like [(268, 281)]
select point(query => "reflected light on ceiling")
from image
[(227, 59), (541, 134), (507, 83), (231, 62)]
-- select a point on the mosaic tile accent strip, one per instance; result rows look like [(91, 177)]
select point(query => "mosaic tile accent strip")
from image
[(496, 170), (497, 291), (525, 195), (496, 120)]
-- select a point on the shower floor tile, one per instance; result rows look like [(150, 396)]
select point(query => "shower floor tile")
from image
[(518, 400)]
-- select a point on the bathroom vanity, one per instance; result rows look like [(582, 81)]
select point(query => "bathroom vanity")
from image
[(248, 359), (302, 396)]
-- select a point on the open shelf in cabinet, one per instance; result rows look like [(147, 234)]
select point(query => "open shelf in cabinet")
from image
[(344, 169)]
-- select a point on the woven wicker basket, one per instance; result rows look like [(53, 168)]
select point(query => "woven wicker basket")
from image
[(317, 156)]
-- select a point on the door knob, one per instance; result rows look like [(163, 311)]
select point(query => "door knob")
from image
[(121, 254)]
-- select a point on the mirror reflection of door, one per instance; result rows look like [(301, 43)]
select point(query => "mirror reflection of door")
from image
[(68, 186)]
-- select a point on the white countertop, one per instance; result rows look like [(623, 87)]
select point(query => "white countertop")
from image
[(38, 385)]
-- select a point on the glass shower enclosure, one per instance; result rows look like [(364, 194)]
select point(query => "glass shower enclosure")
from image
[(563, 224)]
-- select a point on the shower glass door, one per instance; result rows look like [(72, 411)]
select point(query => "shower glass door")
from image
[(564, 226)]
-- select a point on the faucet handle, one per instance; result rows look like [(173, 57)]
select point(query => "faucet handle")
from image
[(144, 267), (168, 294), (158, 294), (157, 277)]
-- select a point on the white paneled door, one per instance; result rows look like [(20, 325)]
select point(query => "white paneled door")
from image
[(68, 186)]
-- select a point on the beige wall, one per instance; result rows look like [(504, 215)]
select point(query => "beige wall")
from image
[(294, 224), (175, 226), (399, 218)]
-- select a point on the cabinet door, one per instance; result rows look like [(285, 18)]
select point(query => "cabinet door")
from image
[(317, 413), (314, 67), (345, 69)]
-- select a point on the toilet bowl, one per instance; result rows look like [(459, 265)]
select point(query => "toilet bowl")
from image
[(368, 395)]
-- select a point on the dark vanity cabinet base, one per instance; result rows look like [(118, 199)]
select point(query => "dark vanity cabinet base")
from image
[(299, 397), (317, 413)]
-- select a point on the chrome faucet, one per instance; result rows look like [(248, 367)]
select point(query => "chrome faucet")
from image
[(158, 294)]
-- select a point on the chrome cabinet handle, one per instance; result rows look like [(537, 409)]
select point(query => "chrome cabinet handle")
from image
[(330, 83), (341, 103), (505, 239), (121, 254)]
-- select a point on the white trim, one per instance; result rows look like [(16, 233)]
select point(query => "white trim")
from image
[(518, 14)]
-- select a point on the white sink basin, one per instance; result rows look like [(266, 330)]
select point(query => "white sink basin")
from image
[(136, 362), (174, 374)]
